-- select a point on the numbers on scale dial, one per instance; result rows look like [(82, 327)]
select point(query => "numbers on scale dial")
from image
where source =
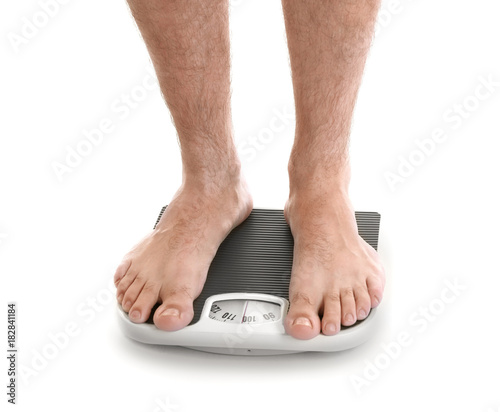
[(270, 316), (245, 311), (215, 308), (228, 316)]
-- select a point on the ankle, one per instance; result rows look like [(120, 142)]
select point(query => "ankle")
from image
[(318, 204), (225, 189), (217, 174), (319, 179)]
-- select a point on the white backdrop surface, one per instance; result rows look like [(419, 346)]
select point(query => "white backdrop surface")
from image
[(88, 156)]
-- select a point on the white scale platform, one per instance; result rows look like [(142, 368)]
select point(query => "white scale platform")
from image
[(243, 304)]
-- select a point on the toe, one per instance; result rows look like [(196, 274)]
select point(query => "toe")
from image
[(133, 291), (176, 310), (363, 302), (302, 321), (348, 306), (331, 314), (121, 270), (141, 309), (375, 290), (124, 284)]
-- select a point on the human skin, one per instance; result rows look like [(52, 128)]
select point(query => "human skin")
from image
[(336, 276), (335, 273)]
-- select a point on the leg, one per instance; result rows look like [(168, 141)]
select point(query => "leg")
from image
[(335, 274), (189, 45)]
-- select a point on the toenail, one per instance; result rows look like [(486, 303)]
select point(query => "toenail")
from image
[(349, 318), (303, 321), (119, 298), (135, 315), (376, 299), (170, 312), (330, 328), (362, 313), (127, 304)]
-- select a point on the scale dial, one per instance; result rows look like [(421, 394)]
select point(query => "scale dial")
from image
[(245, 311)]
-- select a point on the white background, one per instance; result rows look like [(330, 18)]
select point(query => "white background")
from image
[(62, 238)]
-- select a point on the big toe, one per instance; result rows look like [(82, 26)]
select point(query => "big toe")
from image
[(174, 313), (302, 321)]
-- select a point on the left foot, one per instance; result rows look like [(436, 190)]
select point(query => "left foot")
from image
[(335, 273)]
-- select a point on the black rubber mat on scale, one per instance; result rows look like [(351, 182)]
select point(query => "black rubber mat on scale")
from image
[(256, 256)]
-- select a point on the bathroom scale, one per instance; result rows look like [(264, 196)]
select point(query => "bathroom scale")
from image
[(243, 305)]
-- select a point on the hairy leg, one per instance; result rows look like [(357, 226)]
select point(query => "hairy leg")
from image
[(188, 42), (335, 274)]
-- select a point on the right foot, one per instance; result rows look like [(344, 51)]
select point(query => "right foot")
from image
[(170, 264)]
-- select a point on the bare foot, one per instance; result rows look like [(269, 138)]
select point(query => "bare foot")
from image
[(170, 264), (335, 273)]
